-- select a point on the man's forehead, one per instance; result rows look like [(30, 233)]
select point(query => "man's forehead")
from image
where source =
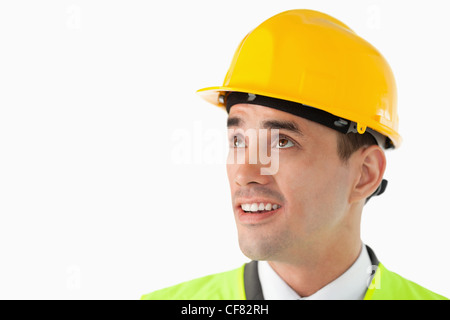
[(264, 118), (255, 112)]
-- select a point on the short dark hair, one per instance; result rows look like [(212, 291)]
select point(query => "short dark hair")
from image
[(350, 142)]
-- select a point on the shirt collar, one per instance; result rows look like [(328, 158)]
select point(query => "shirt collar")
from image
[(351, 285)]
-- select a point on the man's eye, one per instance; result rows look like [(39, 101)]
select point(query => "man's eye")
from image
[(238, 142), (284, 143)]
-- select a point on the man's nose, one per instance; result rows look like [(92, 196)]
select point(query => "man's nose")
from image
[(253, 164), (247, 173)]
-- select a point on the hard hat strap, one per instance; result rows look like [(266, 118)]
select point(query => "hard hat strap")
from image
[(382, 140), (295, 108), (381, 188)]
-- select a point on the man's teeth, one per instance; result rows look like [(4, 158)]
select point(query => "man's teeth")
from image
[(255, 207)]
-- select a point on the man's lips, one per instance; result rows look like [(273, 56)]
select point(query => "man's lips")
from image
[(254, 211), (259, 206)]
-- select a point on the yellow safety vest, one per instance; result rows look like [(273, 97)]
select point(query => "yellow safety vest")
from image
[(243, 284)]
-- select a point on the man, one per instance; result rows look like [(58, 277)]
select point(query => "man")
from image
[(322, 102)]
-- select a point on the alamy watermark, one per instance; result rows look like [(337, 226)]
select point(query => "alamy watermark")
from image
[(251, 146), (73, 280), (373, 21), (73, 21), (374, 279)]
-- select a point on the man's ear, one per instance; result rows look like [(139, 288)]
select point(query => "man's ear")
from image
[(371, 163)]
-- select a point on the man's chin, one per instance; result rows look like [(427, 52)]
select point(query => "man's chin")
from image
[(260, 248)]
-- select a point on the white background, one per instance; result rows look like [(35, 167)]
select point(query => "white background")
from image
[(112, 169)]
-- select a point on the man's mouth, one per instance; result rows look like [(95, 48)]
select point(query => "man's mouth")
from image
[(259, 207)]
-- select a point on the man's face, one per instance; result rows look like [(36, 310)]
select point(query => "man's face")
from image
[(311, 187)]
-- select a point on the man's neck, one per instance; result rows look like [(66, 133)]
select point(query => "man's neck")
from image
[(322, 267)]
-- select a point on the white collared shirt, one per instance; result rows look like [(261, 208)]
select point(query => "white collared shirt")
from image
[(351, 285)]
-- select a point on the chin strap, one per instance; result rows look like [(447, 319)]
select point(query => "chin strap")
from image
[(381, 188)]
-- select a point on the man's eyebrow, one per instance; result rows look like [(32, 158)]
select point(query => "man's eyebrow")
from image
[(234, 122), (268, 124), (282, 125)]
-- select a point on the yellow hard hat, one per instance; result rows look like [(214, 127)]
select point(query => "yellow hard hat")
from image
[(315, 61)]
